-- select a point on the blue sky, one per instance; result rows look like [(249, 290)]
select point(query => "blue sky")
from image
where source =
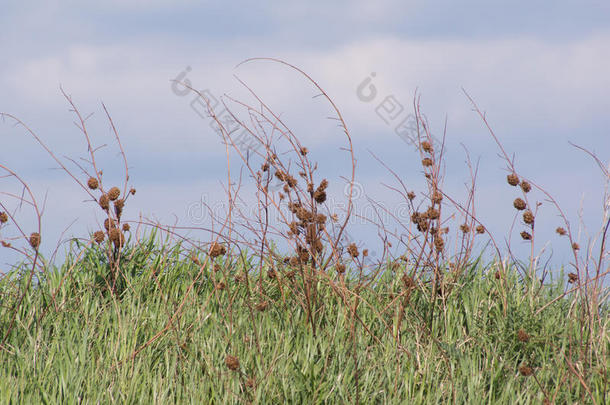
[(539, 72)]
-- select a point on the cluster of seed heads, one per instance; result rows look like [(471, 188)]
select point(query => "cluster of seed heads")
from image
[(232, 362), (217, 250), (112, 230)]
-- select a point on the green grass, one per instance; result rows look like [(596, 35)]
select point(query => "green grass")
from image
[(77, 347)]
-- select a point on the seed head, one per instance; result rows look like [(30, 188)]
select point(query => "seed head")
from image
[(560, 231), (98, 236), (464, 228), (104, 202), (526, 371), (304, 151), (114, 193), (126, 227), (3, 218), (232, 362), (132, 191), (291, 181), (512, 179), (528, 217), (432, 213), (352, 249), (427, 162), (525, 186), (340, 268), (572, 278), (519, 204), (480, 229), (217, 250), (35, 240), (426, 146), (5, 244), (116, 237), (118, 207), (522, 336), (439, 244), (408, 281), (526, 236), (411, 195), (575, 246), (92, 183), (109, 223), (319, 196)]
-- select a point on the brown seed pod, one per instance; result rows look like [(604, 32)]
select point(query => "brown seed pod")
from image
[(426, 146), (292, 182), (365, 253), (408, 281), (251, 383), (92, 183), (411, 195), (340, 268), (560, 231), (98, 236), (526, 371), (132, 191), (575, 246), (528, 217), (272, 274), (114, 193), (464, 228), (304, 151), (522, 336), (319, 196), (352, 249), (480, 229), (3, 218), (217, 250), (232, 362), (116, 237), (526, 187), (519, 204), (261, 306), (5, 244), (265, 167), (572, 278), (195, 259), (437, 197), (104, 202), (526, 236), (432, 213), (35, 240), (221, 286), (439, 244), (512, 179), (118, 207), (109, 223), (427, 162), (126, 227)]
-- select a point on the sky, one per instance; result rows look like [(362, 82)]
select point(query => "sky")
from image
[(539, 73)]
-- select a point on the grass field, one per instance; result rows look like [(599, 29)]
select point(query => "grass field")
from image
[(75, 342)]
